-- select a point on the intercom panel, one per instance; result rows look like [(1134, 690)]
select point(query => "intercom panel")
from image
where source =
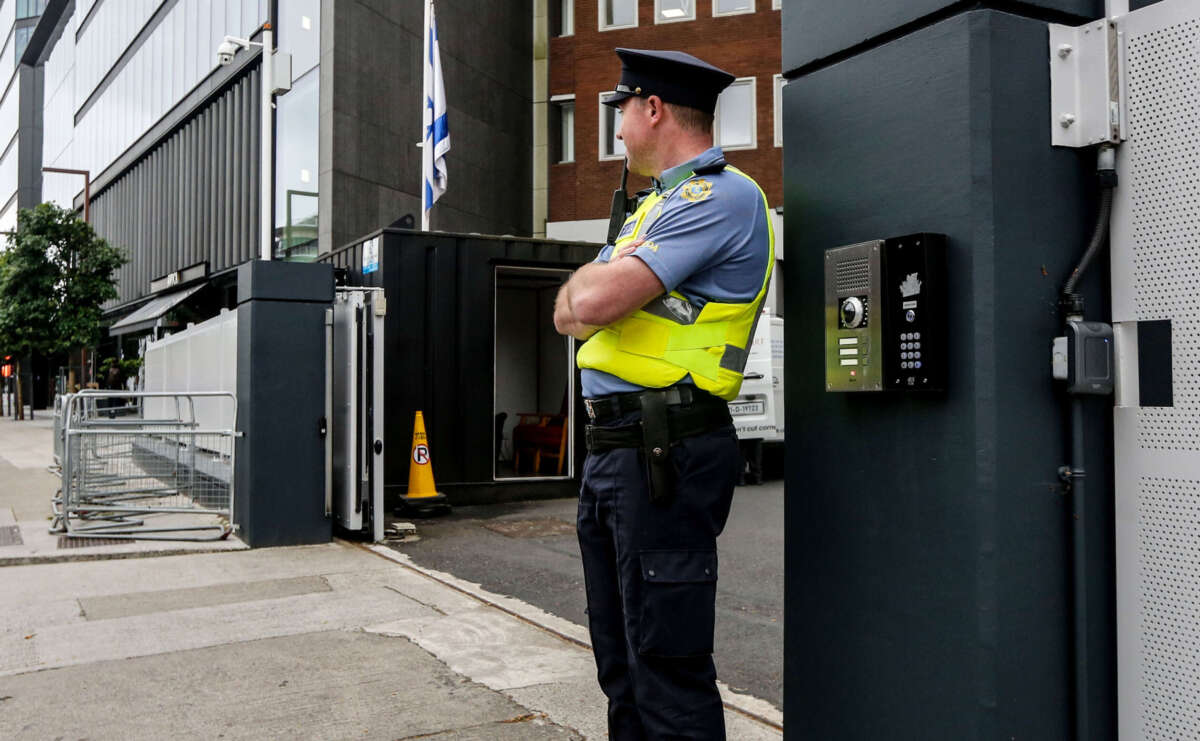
[(885, 315)]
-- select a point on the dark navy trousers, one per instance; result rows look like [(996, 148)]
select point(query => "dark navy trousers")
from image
[(650, 570)]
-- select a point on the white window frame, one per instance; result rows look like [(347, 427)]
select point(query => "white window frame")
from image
[(753, 118), (600, 151), (566, 20), (600, 16), (777, 85), (717, 14), (658, 18), (563, 101), (776, 4)]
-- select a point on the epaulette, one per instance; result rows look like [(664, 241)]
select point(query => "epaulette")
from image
[(712, 169)]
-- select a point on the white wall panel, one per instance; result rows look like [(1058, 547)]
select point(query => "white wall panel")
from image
[(8, 60), (178, 54), (10, 109), (82, 7), (201, 358), (8, 17), (8, 218), (58, 122), (110, 31), (10, 112), (8, 175), (59, 69)]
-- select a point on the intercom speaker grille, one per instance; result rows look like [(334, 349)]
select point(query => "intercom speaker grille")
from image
[(1168, 526), (853, 276)]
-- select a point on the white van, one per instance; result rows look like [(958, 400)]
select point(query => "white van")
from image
[(758, 409)]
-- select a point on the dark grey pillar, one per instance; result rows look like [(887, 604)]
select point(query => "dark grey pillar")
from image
[(280, 497), (928, 536)]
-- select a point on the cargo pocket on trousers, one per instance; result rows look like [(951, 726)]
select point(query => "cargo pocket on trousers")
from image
[(678, 603)]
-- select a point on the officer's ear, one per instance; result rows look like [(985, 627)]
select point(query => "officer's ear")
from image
[(654, 109)]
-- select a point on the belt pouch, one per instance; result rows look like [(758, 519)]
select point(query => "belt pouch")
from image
[(656, 442)]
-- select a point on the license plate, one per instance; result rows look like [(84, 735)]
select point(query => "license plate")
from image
[(746, 408)]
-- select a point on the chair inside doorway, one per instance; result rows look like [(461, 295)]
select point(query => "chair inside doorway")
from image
[(534, 374), (540, 438)]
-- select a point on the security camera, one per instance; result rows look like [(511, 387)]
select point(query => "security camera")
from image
[(226, 51)]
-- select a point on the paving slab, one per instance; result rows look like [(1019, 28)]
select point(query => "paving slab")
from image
[(163, 632), (147, 603), (494, 649), (319, 685)]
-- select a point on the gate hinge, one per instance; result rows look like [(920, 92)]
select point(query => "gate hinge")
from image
[(1086, 84)]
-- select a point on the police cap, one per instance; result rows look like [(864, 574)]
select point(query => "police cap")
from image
[(674, 76)]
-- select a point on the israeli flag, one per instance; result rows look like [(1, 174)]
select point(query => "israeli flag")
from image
[(437, 132)]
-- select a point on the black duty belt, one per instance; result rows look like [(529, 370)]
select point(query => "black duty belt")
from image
[(608, 408), (668, 415)]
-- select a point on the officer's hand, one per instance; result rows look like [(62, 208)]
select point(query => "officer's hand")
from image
[(627, 249)]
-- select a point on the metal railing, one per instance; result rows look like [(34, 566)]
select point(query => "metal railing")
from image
[(138, 465)]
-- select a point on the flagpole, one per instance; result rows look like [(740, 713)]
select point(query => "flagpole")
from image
[(426, 120)]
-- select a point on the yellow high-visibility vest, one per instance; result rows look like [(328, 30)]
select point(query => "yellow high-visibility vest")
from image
[(667, 339)]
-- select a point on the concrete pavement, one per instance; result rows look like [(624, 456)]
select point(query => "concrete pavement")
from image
[(327, 641)]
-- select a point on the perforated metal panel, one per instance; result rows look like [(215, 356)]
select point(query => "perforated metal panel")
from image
[(1168, 536), (1156, 276), (853, 276)]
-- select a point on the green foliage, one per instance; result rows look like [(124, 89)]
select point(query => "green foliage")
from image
[(125, 368), (55, 274)]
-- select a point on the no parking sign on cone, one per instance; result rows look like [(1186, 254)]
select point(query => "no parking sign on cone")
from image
[(422, 496)]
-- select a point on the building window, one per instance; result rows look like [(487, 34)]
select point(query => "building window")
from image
[(668, 11), (611, 148), (732, 7), (618, 14), (299, 24), (779, 83), (562, 128), (776, 4), (562, 17), (21, 40), (735, 117), (30, 8), (296, 163)]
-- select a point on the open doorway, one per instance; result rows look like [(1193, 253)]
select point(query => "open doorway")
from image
[(534, 394)]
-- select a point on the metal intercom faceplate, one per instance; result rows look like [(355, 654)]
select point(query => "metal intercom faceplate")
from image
[(885, 315), (853, 335)]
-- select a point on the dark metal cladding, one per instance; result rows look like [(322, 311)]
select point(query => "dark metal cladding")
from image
[(928, 539), (439, 347)]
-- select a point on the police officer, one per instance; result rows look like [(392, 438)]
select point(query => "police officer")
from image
[(667, 311)]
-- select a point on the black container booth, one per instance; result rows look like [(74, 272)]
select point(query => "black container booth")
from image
[(469, 340)]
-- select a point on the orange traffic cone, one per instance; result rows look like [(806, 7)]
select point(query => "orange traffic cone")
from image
[(423, 496)]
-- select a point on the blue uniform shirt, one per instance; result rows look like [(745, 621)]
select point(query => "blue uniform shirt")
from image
[(712, 248)]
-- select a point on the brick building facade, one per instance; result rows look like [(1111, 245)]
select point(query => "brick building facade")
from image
[(582, 64)]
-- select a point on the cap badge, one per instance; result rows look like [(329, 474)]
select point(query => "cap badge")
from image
[(696, 190)]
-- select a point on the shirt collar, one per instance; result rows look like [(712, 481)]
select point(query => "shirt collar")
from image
[(676, 175)]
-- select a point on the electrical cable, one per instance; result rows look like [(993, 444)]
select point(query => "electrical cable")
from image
[(1099, 235)]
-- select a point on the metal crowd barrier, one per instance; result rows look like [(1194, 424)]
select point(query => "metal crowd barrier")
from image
[(141, 465)]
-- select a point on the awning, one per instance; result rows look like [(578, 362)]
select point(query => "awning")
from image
[(148, 315)]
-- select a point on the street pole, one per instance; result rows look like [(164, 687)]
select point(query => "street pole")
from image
[(87, 219), (268, 140), (87, 188), (426, 120)]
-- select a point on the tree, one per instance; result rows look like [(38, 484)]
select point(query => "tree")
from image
[(27, 300), (57, 273)]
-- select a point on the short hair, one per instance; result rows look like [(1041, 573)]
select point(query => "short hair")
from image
[(691, 119)]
